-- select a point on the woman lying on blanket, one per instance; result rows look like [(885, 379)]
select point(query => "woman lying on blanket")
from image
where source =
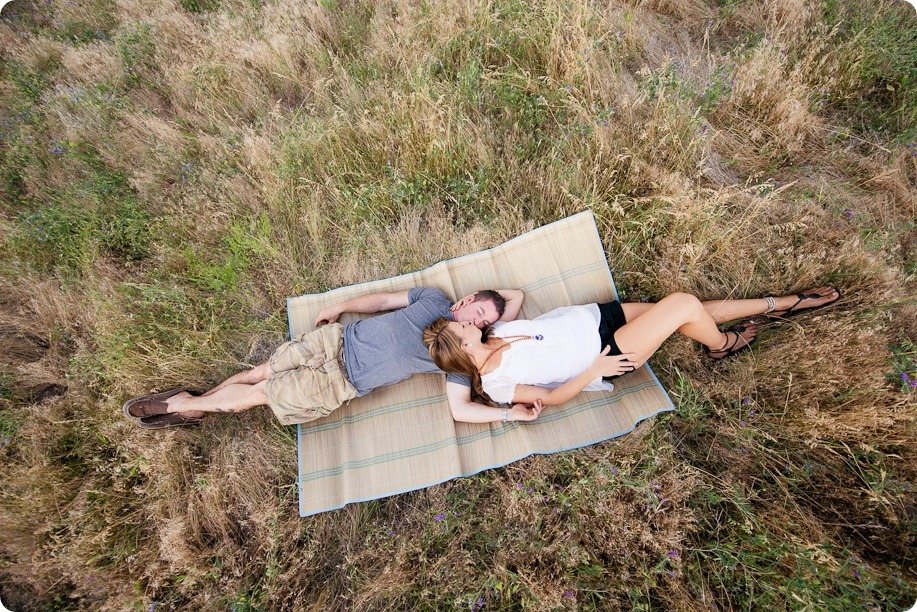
[(549, 360)]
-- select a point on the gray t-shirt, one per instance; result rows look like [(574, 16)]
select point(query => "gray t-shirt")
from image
[(383, 350)]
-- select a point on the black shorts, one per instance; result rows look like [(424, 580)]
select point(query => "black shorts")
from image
[(612, 319)]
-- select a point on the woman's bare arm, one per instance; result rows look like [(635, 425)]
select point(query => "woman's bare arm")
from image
[(604, 365)]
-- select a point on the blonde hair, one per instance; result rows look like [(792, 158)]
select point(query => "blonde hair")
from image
[(449, 356)]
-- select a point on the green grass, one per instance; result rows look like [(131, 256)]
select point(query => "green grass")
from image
[(903, 372), (97, 213), (887, 72), (136, 47)]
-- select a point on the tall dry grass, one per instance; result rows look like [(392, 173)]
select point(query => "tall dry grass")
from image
[(171, 172)]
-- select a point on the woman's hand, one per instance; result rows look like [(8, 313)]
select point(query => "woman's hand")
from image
[(522, 412), (614, 365)]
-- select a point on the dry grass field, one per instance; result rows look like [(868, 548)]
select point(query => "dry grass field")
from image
[(172, 170)]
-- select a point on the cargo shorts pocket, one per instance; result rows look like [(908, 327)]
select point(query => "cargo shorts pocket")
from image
[(306, 394)]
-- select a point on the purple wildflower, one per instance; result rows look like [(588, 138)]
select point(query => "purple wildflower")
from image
[(905, 377), (569, 594), (746, 401), (856, 574), (439, 518), (742, 423), (673, 554)]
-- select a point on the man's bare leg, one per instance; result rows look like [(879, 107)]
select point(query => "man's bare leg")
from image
[(245, 377), (239, 392)]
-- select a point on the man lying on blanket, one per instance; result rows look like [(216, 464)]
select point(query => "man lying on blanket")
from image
[(314, 374)]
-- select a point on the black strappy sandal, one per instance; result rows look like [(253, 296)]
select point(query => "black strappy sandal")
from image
[(729, 349), (787, 312)]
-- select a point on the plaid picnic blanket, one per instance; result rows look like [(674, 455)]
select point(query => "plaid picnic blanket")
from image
[(402, 438)]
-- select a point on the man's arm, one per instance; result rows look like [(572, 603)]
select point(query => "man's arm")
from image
[(466, 411), (374, 302), (513, 299)]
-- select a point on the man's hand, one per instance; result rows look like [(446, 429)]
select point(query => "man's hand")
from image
[(329, 315)]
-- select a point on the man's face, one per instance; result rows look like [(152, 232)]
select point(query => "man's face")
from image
[(480, 313)]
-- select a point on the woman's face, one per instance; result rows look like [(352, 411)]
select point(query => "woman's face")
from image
[(466, 331)]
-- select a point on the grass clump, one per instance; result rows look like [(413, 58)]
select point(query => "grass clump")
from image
[(97, 214), (136, 48), (885, 67)]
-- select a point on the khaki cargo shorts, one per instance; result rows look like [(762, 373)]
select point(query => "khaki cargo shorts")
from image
[(309, 379)]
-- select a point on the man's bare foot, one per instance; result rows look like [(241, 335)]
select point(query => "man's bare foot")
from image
[(813, 298), (174, 404), (736, 339)]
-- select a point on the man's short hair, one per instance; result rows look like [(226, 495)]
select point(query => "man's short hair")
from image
[(493, 296)]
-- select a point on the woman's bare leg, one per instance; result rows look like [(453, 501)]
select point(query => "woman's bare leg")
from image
[(731, 310), (679, 312)]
